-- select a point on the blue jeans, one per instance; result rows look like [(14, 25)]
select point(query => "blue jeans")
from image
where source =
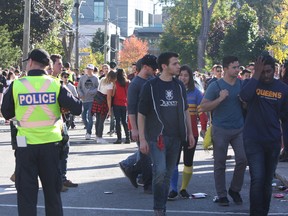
[(131, 160), (262, 160), (163, 165), (87, 116)]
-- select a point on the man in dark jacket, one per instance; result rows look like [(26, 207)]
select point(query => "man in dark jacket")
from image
[(267, 104), (163, 123)]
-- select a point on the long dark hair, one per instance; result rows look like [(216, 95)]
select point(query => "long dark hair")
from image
[(121, 77), (191, 84)]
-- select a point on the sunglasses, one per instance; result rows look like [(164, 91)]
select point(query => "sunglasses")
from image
[(65, 77)]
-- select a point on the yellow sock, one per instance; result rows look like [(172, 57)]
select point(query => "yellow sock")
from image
[(186, 176)]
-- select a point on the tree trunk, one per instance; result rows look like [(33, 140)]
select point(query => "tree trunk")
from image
[(68, 46), (203, 37)]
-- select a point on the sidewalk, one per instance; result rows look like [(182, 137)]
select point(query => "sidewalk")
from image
[(281, 171)]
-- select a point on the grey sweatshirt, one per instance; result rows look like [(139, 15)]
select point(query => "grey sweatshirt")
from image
[(87, 88)]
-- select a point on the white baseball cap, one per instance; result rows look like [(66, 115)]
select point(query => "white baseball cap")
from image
[(90, 66)]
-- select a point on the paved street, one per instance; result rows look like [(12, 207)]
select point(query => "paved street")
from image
[(95, 168)]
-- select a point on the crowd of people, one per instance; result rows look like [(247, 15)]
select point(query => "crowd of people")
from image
[(159, 105)]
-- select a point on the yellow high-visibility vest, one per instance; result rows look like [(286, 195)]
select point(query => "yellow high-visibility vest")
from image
[(37, 109)]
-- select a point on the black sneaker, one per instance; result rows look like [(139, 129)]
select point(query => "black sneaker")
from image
[(129, 174), (223, 201), (236, 197), (132, 176), (184, 194), (118, 141), (172, 195)]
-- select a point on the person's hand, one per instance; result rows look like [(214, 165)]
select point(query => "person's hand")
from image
[(259, 66), (109, 113), (144, 147), (223, 94), (64, 110), (135, 134), (191, 141)]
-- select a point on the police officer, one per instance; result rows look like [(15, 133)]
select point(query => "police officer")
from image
[(35, 101)]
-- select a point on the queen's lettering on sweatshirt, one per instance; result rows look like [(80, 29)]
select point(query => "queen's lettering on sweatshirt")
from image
[(268, 94)]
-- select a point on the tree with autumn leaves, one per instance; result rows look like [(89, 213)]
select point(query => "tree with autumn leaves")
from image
[(133, 49)]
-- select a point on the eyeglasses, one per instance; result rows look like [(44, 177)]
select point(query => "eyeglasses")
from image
[(65, 77), (219, 71)]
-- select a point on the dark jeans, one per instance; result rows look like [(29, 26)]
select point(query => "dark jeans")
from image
[(99, 125), (285, 135), (262, 160), (31, 162), (120, 113), (143, 166), (112, 121), (63, 163)]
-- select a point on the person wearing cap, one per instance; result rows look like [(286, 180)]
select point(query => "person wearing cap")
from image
[(35, 102), (147, 66), (163, 123), (87, 89)]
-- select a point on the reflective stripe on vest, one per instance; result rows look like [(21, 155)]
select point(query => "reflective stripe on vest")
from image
[(52, 118)]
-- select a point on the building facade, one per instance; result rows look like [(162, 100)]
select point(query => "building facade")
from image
[(123, 17)]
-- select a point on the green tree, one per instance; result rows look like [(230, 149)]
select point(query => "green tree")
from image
[(280, 34), (265, 11), (242, 36), (8, 53), (183, 28), (97, 43), (181, 31), (47, 16)]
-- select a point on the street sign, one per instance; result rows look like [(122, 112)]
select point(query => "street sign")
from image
[(84, 53)]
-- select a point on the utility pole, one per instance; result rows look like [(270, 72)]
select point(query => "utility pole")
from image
[(106, 31), (117, 40), (26, 32), (77, 6)]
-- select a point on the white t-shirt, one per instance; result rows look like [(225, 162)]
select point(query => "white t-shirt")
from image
[(103, 87)]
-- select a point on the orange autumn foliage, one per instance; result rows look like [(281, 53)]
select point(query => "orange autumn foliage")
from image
[(133, 49)]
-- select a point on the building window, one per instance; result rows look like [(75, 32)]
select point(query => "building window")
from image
[(150, 19), (98, 10), (138, 17)]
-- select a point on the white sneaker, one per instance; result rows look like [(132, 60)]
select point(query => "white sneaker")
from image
[(101, 140), (88, 136)]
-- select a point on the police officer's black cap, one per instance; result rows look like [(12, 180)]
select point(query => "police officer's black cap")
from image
[(39, 55)]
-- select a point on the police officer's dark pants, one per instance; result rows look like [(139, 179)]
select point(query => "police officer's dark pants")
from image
[(31, 162)]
